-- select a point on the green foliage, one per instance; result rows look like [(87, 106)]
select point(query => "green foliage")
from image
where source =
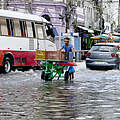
[(74, 23), (113, 23)]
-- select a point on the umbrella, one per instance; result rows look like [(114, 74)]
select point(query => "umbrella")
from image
[(115, 38), (101, 37), (95, 37)]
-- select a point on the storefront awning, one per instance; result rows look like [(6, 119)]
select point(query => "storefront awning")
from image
[(84, 28)]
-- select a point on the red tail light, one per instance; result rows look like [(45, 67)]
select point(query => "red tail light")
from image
[(114, 55), (88, 54)]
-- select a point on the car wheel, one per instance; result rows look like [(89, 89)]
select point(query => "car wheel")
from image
[(118, 66), (87, 67)]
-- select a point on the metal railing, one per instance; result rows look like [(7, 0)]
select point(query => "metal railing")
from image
[(80, 55)]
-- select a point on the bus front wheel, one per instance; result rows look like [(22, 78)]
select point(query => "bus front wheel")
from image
[(7, 65)]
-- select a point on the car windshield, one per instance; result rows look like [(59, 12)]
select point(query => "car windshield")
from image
[(103, 48)]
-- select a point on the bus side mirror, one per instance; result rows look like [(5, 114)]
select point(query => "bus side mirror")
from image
[(49, 31)]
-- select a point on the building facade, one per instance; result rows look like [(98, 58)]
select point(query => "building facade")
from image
[(62, 14), (54, 12), (84, 17)]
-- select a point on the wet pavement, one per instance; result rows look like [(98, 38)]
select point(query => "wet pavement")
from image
[(93, 95)]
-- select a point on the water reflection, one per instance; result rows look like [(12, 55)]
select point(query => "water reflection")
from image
[(94, 95), (58, 101), (80, 100)]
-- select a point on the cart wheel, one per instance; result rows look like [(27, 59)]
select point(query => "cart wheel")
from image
[(43, 75), (47, 77), (66, 76)]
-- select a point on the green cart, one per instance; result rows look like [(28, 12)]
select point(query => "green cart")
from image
[(53, 65)]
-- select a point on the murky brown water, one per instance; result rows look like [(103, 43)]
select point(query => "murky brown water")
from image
[(51, 100), (94, 95)]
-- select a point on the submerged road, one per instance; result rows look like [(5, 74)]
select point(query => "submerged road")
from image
[(93, 95)]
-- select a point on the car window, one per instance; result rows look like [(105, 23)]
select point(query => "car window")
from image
[(103, 48)]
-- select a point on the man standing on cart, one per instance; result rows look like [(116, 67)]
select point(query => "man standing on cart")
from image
[(68, 48)]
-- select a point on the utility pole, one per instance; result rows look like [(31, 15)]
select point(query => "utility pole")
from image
[(4, 4), (111, 18), (30, 6), (118, 27), (25, 4), (101, 16), (68, 15), (69, 9)]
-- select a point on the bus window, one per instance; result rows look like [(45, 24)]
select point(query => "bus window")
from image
[(10, 27), (23, 28), (33, 28), (3, 25), (29, 29), (17, 27), (39, 29)]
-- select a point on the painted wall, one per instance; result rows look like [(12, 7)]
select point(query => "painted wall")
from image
[(89, 14), (54, 10)]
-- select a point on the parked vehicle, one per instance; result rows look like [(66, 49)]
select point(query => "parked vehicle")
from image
[(20, 35), (104, 56)]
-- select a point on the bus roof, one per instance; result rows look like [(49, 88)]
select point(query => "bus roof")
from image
[(22, 16)]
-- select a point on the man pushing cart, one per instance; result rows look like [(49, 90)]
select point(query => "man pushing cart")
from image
[(69, 49), (53, 63)]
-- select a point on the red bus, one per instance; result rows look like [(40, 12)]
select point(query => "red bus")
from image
[(20, 35)]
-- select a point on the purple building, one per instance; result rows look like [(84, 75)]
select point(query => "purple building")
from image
[(54, 12), (57, 12)]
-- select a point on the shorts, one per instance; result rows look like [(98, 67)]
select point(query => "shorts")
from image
[(71, 69)]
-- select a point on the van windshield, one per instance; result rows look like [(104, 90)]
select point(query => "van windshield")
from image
[(103, 48)]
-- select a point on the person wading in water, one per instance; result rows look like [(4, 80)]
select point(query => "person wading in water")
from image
[(68, 48)]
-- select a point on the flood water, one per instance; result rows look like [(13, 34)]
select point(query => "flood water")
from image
[(93, 95)]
